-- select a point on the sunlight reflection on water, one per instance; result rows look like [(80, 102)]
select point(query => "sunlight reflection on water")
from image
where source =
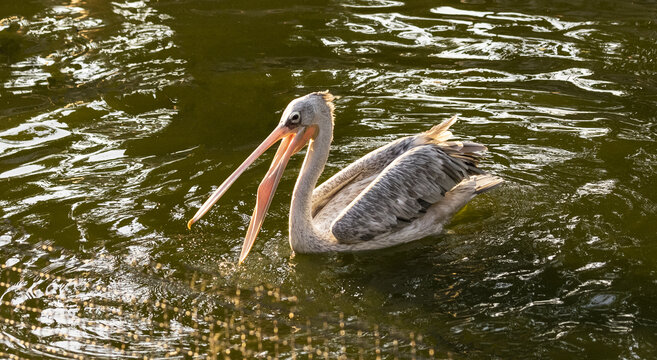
[(122, 116)]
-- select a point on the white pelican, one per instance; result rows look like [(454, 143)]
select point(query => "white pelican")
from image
[(400, 192)]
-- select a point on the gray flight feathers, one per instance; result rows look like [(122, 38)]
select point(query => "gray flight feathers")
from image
[(414, 175)]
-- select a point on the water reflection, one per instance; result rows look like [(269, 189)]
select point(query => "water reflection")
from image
[(119, 118), (65, 167)]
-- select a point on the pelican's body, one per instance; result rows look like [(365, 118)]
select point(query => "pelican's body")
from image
[(400, 192)]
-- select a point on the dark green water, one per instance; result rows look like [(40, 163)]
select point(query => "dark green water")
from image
[(117, 120)]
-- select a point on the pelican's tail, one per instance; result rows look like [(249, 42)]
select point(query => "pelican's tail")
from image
[(440, 133), (486, 182)]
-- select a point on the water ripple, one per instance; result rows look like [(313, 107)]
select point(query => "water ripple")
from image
[(120, 117)]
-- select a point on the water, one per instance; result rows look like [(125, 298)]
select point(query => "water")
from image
[(119, 118)]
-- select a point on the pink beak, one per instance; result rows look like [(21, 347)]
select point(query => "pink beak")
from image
[(293, 140)]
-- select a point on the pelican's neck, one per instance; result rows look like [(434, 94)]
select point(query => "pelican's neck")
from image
[(304, 237)]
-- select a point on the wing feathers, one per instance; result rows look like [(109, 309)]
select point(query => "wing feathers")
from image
[(414, 173), (401, 193), (439, 132)]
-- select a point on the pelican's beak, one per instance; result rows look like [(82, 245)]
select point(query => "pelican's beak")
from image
[(293, 140)]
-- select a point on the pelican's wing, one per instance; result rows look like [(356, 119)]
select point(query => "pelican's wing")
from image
[(405, 189), (374, 162), (367, 166)]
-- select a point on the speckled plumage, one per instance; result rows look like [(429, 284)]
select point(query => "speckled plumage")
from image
[(400, 192)]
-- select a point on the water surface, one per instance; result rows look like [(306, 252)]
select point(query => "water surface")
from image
[(120, 118)]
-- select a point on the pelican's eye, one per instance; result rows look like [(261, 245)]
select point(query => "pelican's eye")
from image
[(294, 118)]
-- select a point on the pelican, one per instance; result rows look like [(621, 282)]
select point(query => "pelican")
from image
[(403, 191)]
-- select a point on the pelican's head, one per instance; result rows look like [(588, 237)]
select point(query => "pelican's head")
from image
[(300, 123), (315, 109)]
